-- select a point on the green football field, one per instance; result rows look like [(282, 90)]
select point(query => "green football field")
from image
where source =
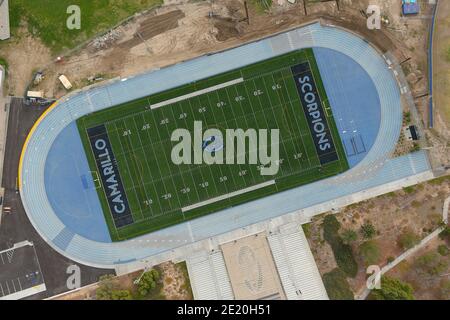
[(159, 193)]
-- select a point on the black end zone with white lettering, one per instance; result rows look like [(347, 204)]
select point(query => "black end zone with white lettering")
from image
[(315, 115), (109, 173)]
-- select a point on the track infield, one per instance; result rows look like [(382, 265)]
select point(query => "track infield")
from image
[(129, 146)]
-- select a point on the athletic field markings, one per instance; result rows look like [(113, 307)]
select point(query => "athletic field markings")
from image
[(229, 195), (128, 166), (172, 175), (280, 161), (261, 96), (196, 93), (148, 200)]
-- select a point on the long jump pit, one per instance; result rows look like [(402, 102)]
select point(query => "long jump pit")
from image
[(251, 269)]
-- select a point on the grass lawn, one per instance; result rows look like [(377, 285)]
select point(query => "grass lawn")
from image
[(47, 18)]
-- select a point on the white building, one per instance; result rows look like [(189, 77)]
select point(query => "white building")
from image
[(4, 20)]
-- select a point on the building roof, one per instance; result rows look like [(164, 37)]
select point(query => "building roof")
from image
[(410, 7), (251, 269), (209, 277), (4, 20), (296, 265)]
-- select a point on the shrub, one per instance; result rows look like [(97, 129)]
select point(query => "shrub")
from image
[(392, 289), (370, 252), (445, 289), (409, 190), (307, 229), (349, 236), (4, 63), (445, 234), (443, 250), (408, 239), (431, 263), (368, 230), (108, 289), (342, 252), (262, 5), (337, 286), (121, 295), (331, 227)]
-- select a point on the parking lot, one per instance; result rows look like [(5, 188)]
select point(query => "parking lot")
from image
[(20, 272), (16, 228)]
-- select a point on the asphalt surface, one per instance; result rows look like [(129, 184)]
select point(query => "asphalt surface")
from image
[(15, 226), (19, 270)]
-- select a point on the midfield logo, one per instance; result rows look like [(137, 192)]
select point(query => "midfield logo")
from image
[(208, 147)]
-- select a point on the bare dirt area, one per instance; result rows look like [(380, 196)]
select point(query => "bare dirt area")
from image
[(415, 210), (88, 293), (182, 30), (428, 284), (441, 61), (24, 55), (173, 284), (176, 283)]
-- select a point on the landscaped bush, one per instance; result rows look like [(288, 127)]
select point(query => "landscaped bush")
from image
[(147, 282), (431, 264), (337, 286), (445, 234), (349, 236), (307, 229), (109, 289), (368, 230), (443, 250), (407, 240), (342, 252), (370, 252), (392, 289)]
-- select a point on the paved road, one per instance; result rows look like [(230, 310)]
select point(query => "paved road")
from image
[(15, 227)]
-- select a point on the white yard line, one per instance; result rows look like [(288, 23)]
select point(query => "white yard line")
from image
[(228, 195), (196, 93)]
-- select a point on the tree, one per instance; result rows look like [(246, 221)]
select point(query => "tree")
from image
[(148, 282), (368, 230), (407, 240), (392, 289), (331, 227), (121, 295), (370, 252), (105, 288), (349, 236), (342, 252), (337, 286)]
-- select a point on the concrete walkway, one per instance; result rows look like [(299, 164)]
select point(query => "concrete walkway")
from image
[(3, 130), (413, 250)]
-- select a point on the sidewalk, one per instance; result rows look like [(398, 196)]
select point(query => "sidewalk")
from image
[(3, 131)]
